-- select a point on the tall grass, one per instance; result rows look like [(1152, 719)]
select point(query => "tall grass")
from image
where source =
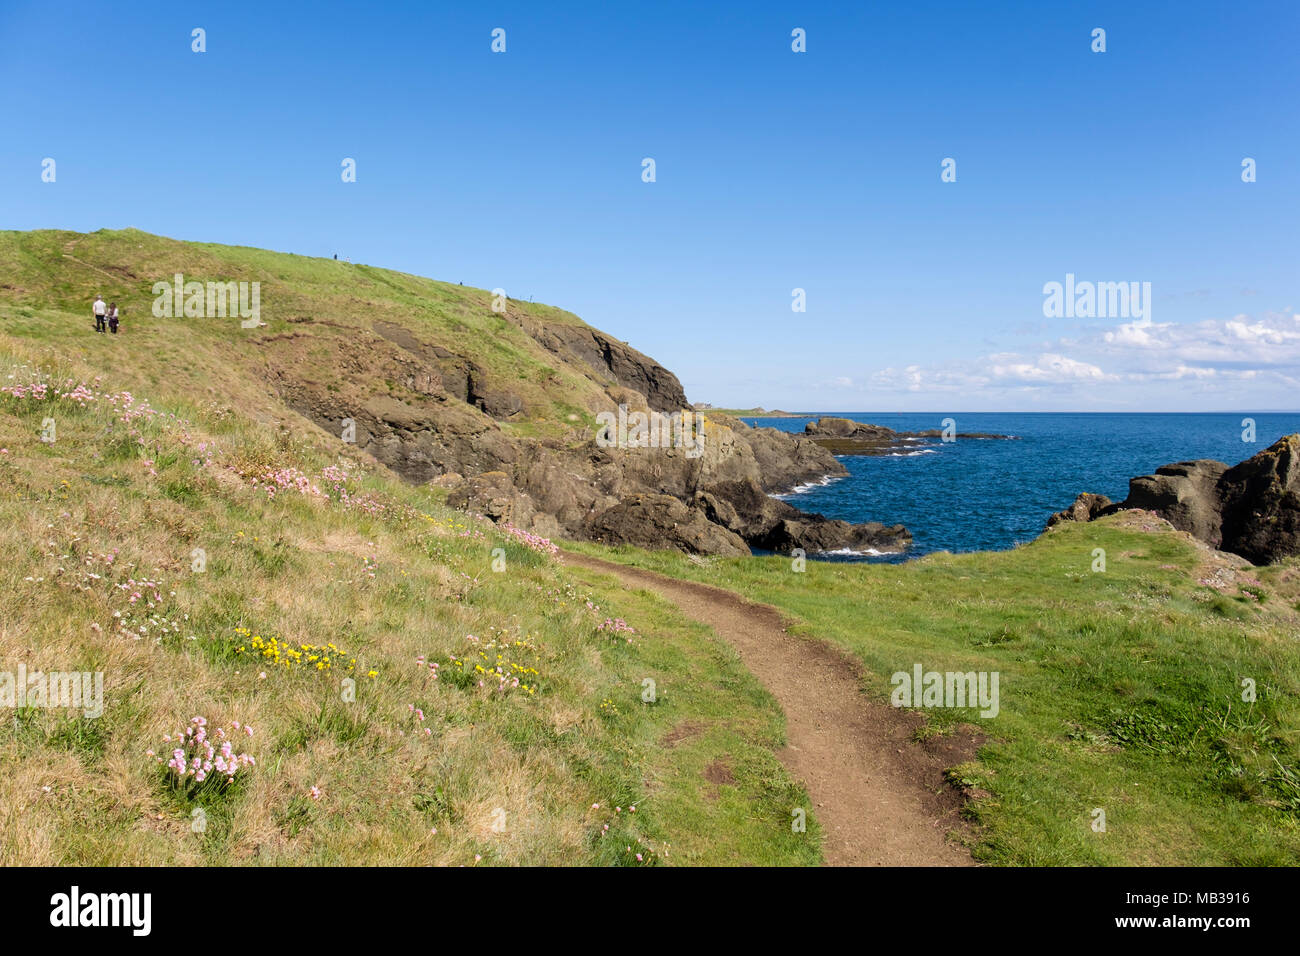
[(388, 576)]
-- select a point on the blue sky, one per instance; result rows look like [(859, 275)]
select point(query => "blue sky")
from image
[(775, 170)]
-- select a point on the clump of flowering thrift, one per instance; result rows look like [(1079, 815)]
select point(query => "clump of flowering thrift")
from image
[(286, 479), (616, 625), (123, 405), (198, 755), (532, 541)]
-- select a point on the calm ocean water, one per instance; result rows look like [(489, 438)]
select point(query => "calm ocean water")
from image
[(974, 494)]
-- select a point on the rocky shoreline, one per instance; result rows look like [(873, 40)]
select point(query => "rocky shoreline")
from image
[(720, 502), (1251, 509), (445, 418), (448, 421)]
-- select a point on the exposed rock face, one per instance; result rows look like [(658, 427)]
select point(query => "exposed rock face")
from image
[(786, 460), (843, 436), (624, 364), (1086, 507), (1184, 494), (774, 525), (454, 375), (1260, 504), (1251, 509), (658, 521), (422, 442), (599, 493), (428, 412), (831, 427)]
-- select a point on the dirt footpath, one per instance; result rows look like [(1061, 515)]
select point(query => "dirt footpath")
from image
[(878, 794)]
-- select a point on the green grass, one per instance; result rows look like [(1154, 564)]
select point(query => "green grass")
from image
[(385, 588), (1120, 690)]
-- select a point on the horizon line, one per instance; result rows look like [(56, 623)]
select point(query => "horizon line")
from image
[(1266, 411)]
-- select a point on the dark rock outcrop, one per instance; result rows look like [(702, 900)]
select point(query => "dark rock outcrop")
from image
[(1259, 501), (774, 525), (589, 492), (784, 459), (624, 364), (1086, 507), (658, 521), (1185, 494), (1251, 509), (843, 436)]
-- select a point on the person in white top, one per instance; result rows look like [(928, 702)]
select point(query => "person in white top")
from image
[(100, 309)]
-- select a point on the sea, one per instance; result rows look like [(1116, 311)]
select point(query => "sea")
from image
[(977, 494)]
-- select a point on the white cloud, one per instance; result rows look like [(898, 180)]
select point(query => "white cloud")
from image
[(1049, 369), (1270, 341), (1241, 360)]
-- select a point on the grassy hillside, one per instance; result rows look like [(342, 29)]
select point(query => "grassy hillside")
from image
[(214, 557), (1119, 689), (321, 317)]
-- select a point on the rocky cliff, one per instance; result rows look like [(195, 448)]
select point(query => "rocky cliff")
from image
[(716, 503), (494, 399), (449, 419), (1251, 509)]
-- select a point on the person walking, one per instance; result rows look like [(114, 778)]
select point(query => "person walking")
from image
[(112, 318), (99, 309)]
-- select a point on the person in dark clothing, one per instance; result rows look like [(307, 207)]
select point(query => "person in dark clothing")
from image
[(112, 318)]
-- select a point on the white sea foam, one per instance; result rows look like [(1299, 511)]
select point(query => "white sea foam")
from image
[(808, 486)]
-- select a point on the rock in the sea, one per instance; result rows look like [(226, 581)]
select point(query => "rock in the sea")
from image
[(831, 427), (843, 436), (773, 525), (1259, 500), (1251, 509)]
